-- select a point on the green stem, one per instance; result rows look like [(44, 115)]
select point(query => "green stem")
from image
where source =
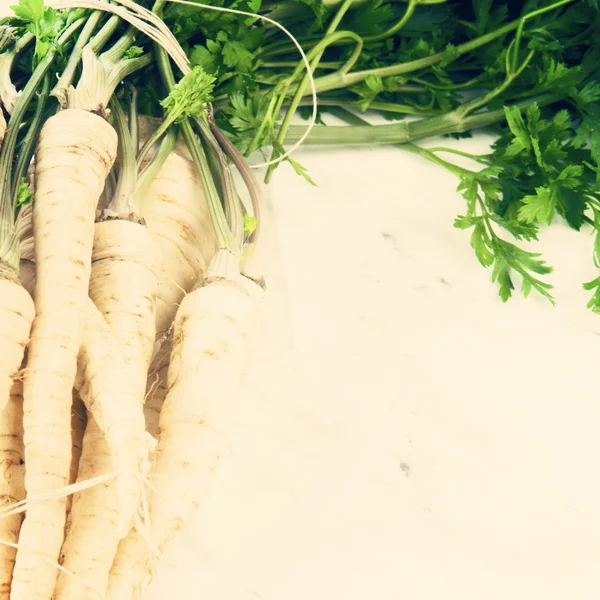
[(430, 156), (336, 81), (121, 204), (233, 207), (471, 83), (148, 174), (156, 135), (479, 101), (223, 234), (410, 9), (528, 17), (391, 107), (292, 64), (314, 62), (404, 132), (101, 38), (23, 42), (116, 51), (68, 75), (9, 248), (134, 124), (482, 158), (28, 144), (313, 59), (252, 186)]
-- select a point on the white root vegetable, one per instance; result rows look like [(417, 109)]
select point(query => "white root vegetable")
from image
[(146, 127), (12, 481), (123, 287), (78, 425), (156, 392), (105, 375), (2, 126), (78, 411), (176, 213), (26, 237), (86, 554), (109, 394), (16, 316), (211, 331), (158, 386), (75, 152)]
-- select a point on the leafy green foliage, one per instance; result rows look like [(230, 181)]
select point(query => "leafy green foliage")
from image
[(482, 193), (190, 96), (249, 225), (223, 44), (545, 164), (243, 119), (133, 52), (24, 193), (537, 170), (44, 22)]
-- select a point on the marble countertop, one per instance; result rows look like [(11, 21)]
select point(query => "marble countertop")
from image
[(402, 432)]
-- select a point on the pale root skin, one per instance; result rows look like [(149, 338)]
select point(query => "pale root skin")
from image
[(123, 287), (12, 481), (146, 127), (75, 152), (87, 552), (104, 384), (78, 424), (109, 394), (25, 233), (2, 127), (16, 315), (176, 213), (134, 547), (157, 387), (211, 331)]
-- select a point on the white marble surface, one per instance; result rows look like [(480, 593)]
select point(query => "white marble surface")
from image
[(403, 434)]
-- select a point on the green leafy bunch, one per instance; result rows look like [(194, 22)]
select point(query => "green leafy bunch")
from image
[(539, 169), (189, 96), (42, 21), (222, 43)]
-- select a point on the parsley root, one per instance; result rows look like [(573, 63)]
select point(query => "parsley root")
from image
[(76, 150)]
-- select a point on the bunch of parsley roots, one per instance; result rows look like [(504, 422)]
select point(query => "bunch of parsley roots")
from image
[(131, 273)]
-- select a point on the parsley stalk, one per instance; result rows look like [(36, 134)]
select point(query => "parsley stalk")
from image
[(404, 132), (101, 74), (121, 205), (314, 62), (186, 98), (27, 146), (9, 243), (225, 239), (66, 78)]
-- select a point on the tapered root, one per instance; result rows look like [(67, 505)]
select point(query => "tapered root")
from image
[(176, 213), (123, 287), (108, 393), (16, 315), (12, 481), (210, 343), (75, 152)]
